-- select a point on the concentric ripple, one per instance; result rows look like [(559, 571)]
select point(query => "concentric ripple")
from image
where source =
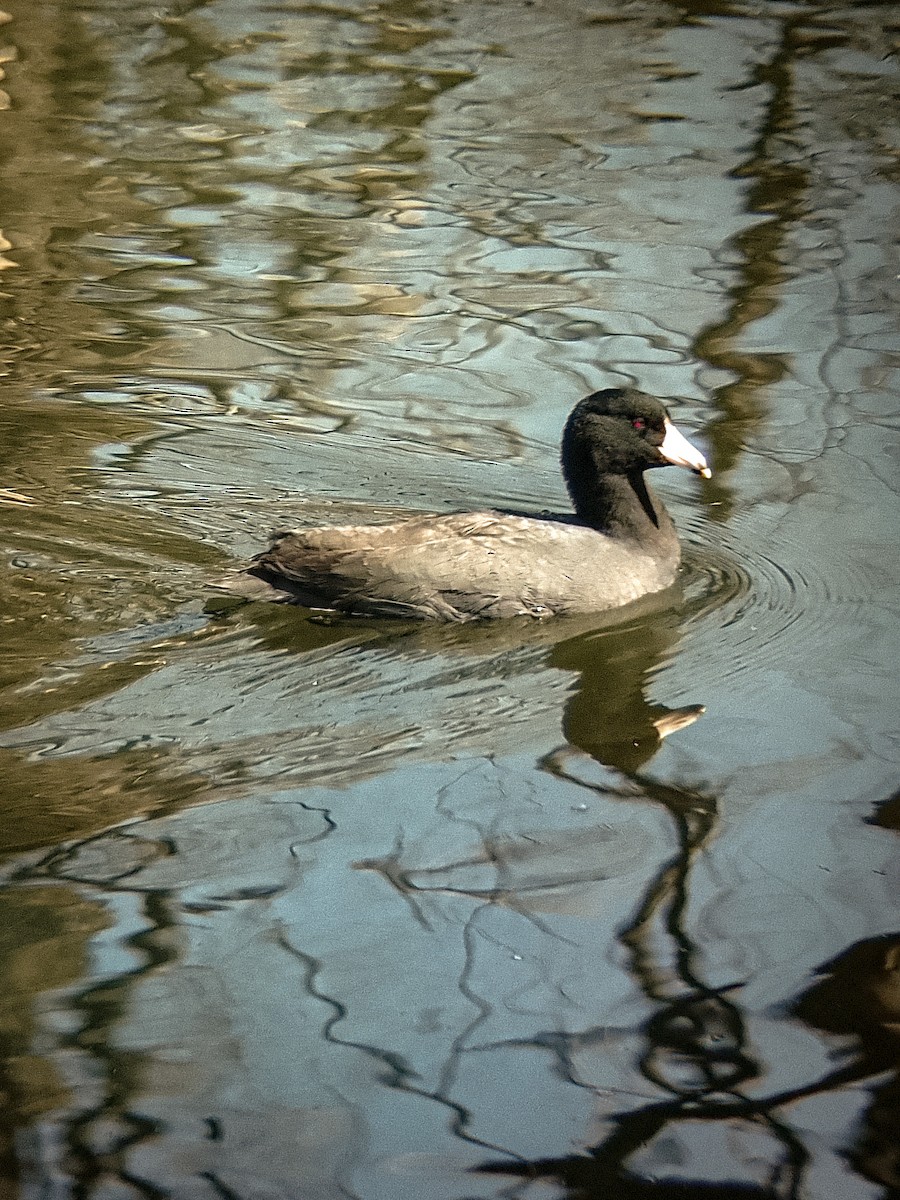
[(767, 606)]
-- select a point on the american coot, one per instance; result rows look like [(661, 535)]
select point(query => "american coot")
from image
[(621, 544)]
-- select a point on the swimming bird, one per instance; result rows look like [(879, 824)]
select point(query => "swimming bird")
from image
[(620, 544)]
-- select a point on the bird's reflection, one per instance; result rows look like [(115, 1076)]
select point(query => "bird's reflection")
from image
[(609, 716)]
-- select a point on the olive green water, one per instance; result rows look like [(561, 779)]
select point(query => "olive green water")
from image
[(302, 909)]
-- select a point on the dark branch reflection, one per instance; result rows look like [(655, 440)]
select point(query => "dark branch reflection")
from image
[(858, 995), (778, 178), (697, 1048)]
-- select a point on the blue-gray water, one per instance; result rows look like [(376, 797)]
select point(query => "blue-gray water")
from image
[(304, 909)]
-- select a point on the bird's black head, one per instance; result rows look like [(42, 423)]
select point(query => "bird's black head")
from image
[(620, 432)]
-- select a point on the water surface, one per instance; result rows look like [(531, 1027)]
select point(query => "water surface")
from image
[(299, 907)]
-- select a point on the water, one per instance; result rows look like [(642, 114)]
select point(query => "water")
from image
[(298, 908)]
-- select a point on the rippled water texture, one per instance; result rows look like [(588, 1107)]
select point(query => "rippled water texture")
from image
[(306, 909)]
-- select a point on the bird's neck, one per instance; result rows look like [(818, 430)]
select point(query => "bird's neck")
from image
[(624, 507)]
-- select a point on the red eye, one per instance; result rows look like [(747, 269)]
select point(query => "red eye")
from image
[(639, 423)]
